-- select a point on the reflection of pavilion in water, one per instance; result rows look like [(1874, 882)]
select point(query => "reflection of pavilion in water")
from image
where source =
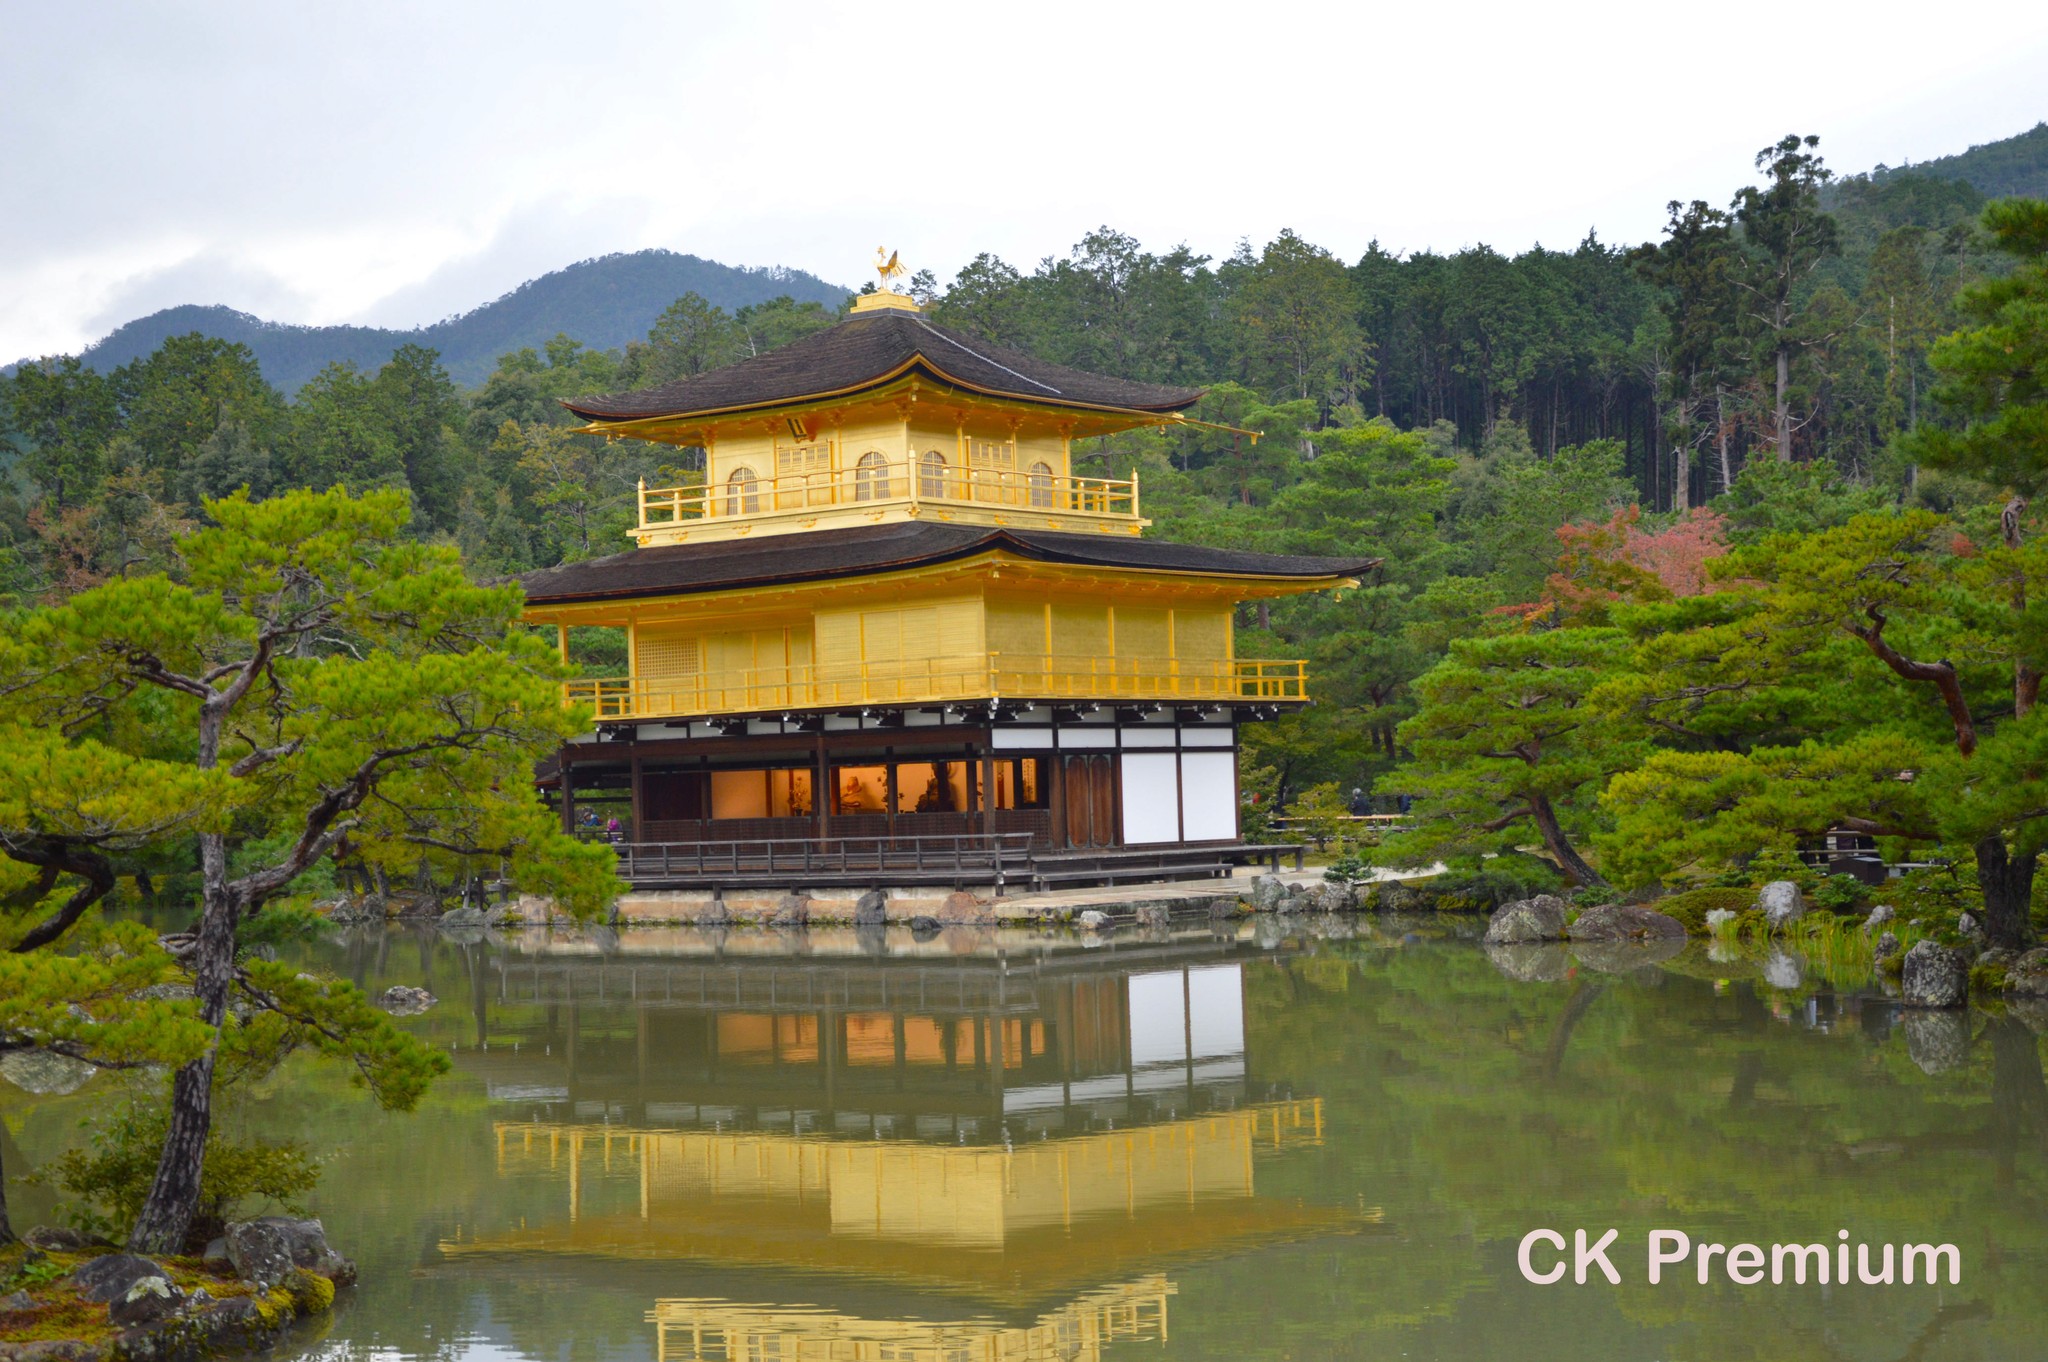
[(692, 1330), (959, 1049), (1041, 1136)]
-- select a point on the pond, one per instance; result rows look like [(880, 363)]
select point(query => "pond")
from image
[(1266, 1140)]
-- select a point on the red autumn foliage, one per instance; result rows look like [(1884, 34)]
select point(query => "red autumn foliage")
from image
[(1598, 565)]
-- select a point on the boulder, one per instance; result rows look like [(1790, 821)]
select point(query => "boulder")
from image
[(1970, 928), (1623, 922), (148, 1300), (1151, 915), (1525, 920), (14, 1302), (1783, 970), (1879, 915), (924, 926), (871, 909), (403, 1000), (352, 910), (792, 910), (268, 1248), (504, 915), (1530, 963), (1781, 902), (1717, 918), (1935, 976), (1334, 896), (2027, 975), (1886, 945), (462, 917), (107, 1278), (961, 906), (1937, 1041), (58, 1239), (1268, 893), (716, 913), (1094, 920), (43, 1073)]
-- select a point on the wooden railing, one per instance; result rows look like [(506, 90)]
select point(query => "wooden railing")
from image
[(892, 483), (936, 679), (983, 857)]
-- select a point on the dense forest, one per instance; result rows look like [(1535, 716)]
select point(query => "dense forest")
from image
[(1534, 444)]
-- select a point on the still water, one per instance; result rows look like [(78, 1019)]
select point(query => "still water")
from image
[(1252, 1142)]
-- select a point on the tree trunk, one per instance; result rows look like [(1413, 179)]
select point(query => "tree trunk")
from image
[(1784, 404), (166, 1216), (1721, 436), (2008, 885), (1560, 846)]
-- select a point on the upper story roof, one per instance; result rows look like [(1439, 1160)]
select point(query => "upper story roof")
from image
[(873, 348)]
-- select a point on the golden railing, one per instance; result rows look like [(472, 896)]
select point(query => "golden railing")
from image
[(900, 482), (971, 676)]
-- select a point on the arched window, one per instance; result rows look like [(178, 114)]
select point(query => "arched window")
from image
[(742, 496), (1040, 481), (871, 478), (931, 474)]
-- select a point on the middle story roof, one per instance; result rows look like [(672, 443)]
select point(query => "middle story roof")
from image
[(723, 565)]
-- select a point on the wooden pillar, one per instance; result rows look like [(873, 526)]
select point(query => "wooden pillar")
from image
[(889, 790), (821, 789), (637, 815), (568, 794), (988, 790)]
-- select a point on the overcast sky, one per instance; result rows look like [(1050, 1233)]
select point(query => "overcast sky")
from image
[(393, 164)]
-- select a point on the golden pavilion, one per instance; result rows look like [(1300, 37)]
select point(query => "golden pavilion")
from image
[(892, 637)]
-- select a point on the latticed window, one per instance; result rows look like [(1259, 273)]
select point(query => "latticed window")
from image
[(871, 478), (803, 475), (993, 464), (667, 655), (742, 492), (931, 474), (1040, 480)]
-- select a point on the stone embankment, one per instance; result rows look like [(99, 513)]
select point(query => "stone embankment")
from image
[(81, 1301)]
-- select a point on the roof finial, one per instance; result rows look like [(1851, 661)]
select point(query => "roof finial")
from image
[(890, 268)]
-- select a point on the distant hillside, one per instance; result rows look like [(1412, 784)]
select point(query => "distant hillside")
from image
[(604, 303), (2015, 167)]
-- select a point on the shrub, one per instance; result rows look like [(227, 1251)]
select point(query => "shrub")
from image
[(111, 1176), (1692, 905), (1500, 879), (1839, 894)]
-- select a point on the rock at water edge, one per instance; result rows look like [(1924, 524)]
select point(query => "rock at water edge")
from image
[(1537, 919), (1934, 976)]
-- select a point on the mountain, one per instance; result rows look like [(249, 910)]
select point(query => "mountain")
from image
[(604, 303), (2013, 167)]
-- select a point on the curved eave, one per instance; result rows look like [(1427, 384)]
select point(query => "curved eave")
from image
[(618, 423), (1012, 550)]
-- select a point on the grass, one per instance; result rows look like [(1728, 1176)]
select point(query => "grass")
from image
[(1836, 950)]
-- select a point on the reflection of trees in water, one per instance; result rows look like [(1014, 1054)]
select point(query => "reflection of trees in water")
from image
[(1470, 1105)]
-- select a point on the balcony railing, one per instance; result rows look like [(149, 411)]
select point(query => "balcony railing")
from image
[(974, 676), (898, 483)]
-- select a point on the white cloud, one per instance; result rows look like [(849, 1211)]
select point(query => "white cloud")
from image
[(396, 162)]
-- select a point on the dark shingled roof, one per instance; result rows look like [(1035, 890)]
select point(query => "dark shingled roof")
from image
[(867, 350), (679, 569)]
